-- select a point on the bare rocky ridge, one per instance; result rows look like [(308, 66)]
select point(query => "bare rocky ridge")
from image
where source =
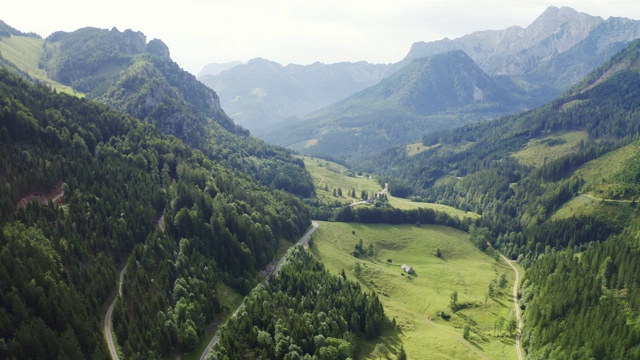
[(558, 35)]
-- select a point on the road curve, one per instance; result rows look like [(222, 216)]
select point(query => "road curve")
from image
[(107, 319), (304, 241), (517, 306)]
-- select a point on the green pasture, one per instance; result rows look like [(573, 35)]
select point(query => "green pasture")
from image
[(25, 53), (539, 151), (413, 301)]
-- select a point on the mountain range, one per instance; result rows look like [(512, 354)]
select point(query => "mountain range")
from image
[(531, 65), (262, 92)]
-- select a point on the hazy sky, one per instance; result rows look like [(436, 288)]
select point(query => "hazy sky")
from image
[(292, 31)]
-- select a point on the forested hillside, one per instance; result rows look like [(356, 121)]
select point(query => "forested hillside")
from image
[(573, 202), (126, 188), (303, 311), (138, 77)]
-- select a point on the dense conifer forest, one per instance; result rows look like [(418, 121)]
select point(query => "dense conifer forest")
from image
[(186, 220), (303, 313)]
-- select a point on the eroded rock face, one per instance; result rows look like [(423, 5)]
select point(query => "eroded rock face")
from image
[(559, 37), (130, 42)]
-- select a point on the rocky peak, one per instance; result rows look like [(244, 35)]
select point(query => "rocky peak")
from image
[(130, 42), (158, 47)]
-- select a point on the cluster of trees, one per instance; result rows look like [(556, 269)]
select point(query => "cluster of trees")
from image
[(304, 312), (59, 263), (390, 215)]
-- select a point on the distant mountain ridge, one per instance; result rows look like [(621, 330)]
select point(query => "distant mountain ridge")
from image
[(531, 65), (262, 92), (434, 93), (556, 34), (215, 68)]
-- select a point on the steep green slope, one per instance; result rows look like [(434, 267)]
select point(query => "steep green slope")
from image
[(117, 177), (430, 94)]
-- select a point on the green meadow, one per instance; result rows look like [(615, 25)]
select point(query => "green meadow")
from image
[(549, 148), (414, 302), (25, 53), (451, 211), (328, 176)]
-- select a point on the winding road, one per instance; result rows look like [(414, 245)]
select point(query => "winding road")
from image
[(515, 304), (107, 318), (304, 241)]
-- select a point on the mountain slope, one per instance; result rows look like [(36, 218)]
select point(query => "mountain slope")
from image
[(117, 177), (430, 94), (122, 69), (262, 92)]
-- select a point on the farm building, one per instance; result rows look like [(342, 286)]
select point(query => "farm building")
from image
[(408, 269)]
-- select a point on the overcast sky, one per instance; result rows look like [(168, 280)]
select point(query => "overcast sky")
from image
[(199, 32)]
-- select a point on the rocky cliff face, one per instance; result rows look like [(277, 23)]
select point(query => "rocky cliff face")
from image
[(558, 36), (515, 50)]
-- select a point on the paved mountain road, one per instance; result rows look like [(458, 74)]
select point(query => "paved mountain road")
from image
[(107, 319)]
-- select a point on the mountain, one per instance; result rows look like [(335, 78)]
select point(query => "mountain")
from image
[(557, 188), (138, 77), (215, 68), (560, 36), (530, 66), (434, 93), (86, 189), (262, 92)]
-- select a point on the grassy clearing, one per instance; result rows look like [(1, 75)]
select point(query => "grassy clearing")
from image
[(25, 52), (451, 211), (603, 192), (417, 148), (550, 148), (600, 174), (414, 300), (328, 176)]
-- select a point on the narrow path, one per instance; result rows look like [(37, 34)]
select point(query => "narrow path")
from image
[(304, 241), (515, 304), (107, 318), (605, 200)]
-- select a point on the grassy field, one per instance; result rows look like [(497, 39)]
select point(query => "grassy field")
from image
[(407, 205), (25, 52), (600, 174), (603, 192), (328, 176), (413, 301), (417, 148), (549, 148)]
